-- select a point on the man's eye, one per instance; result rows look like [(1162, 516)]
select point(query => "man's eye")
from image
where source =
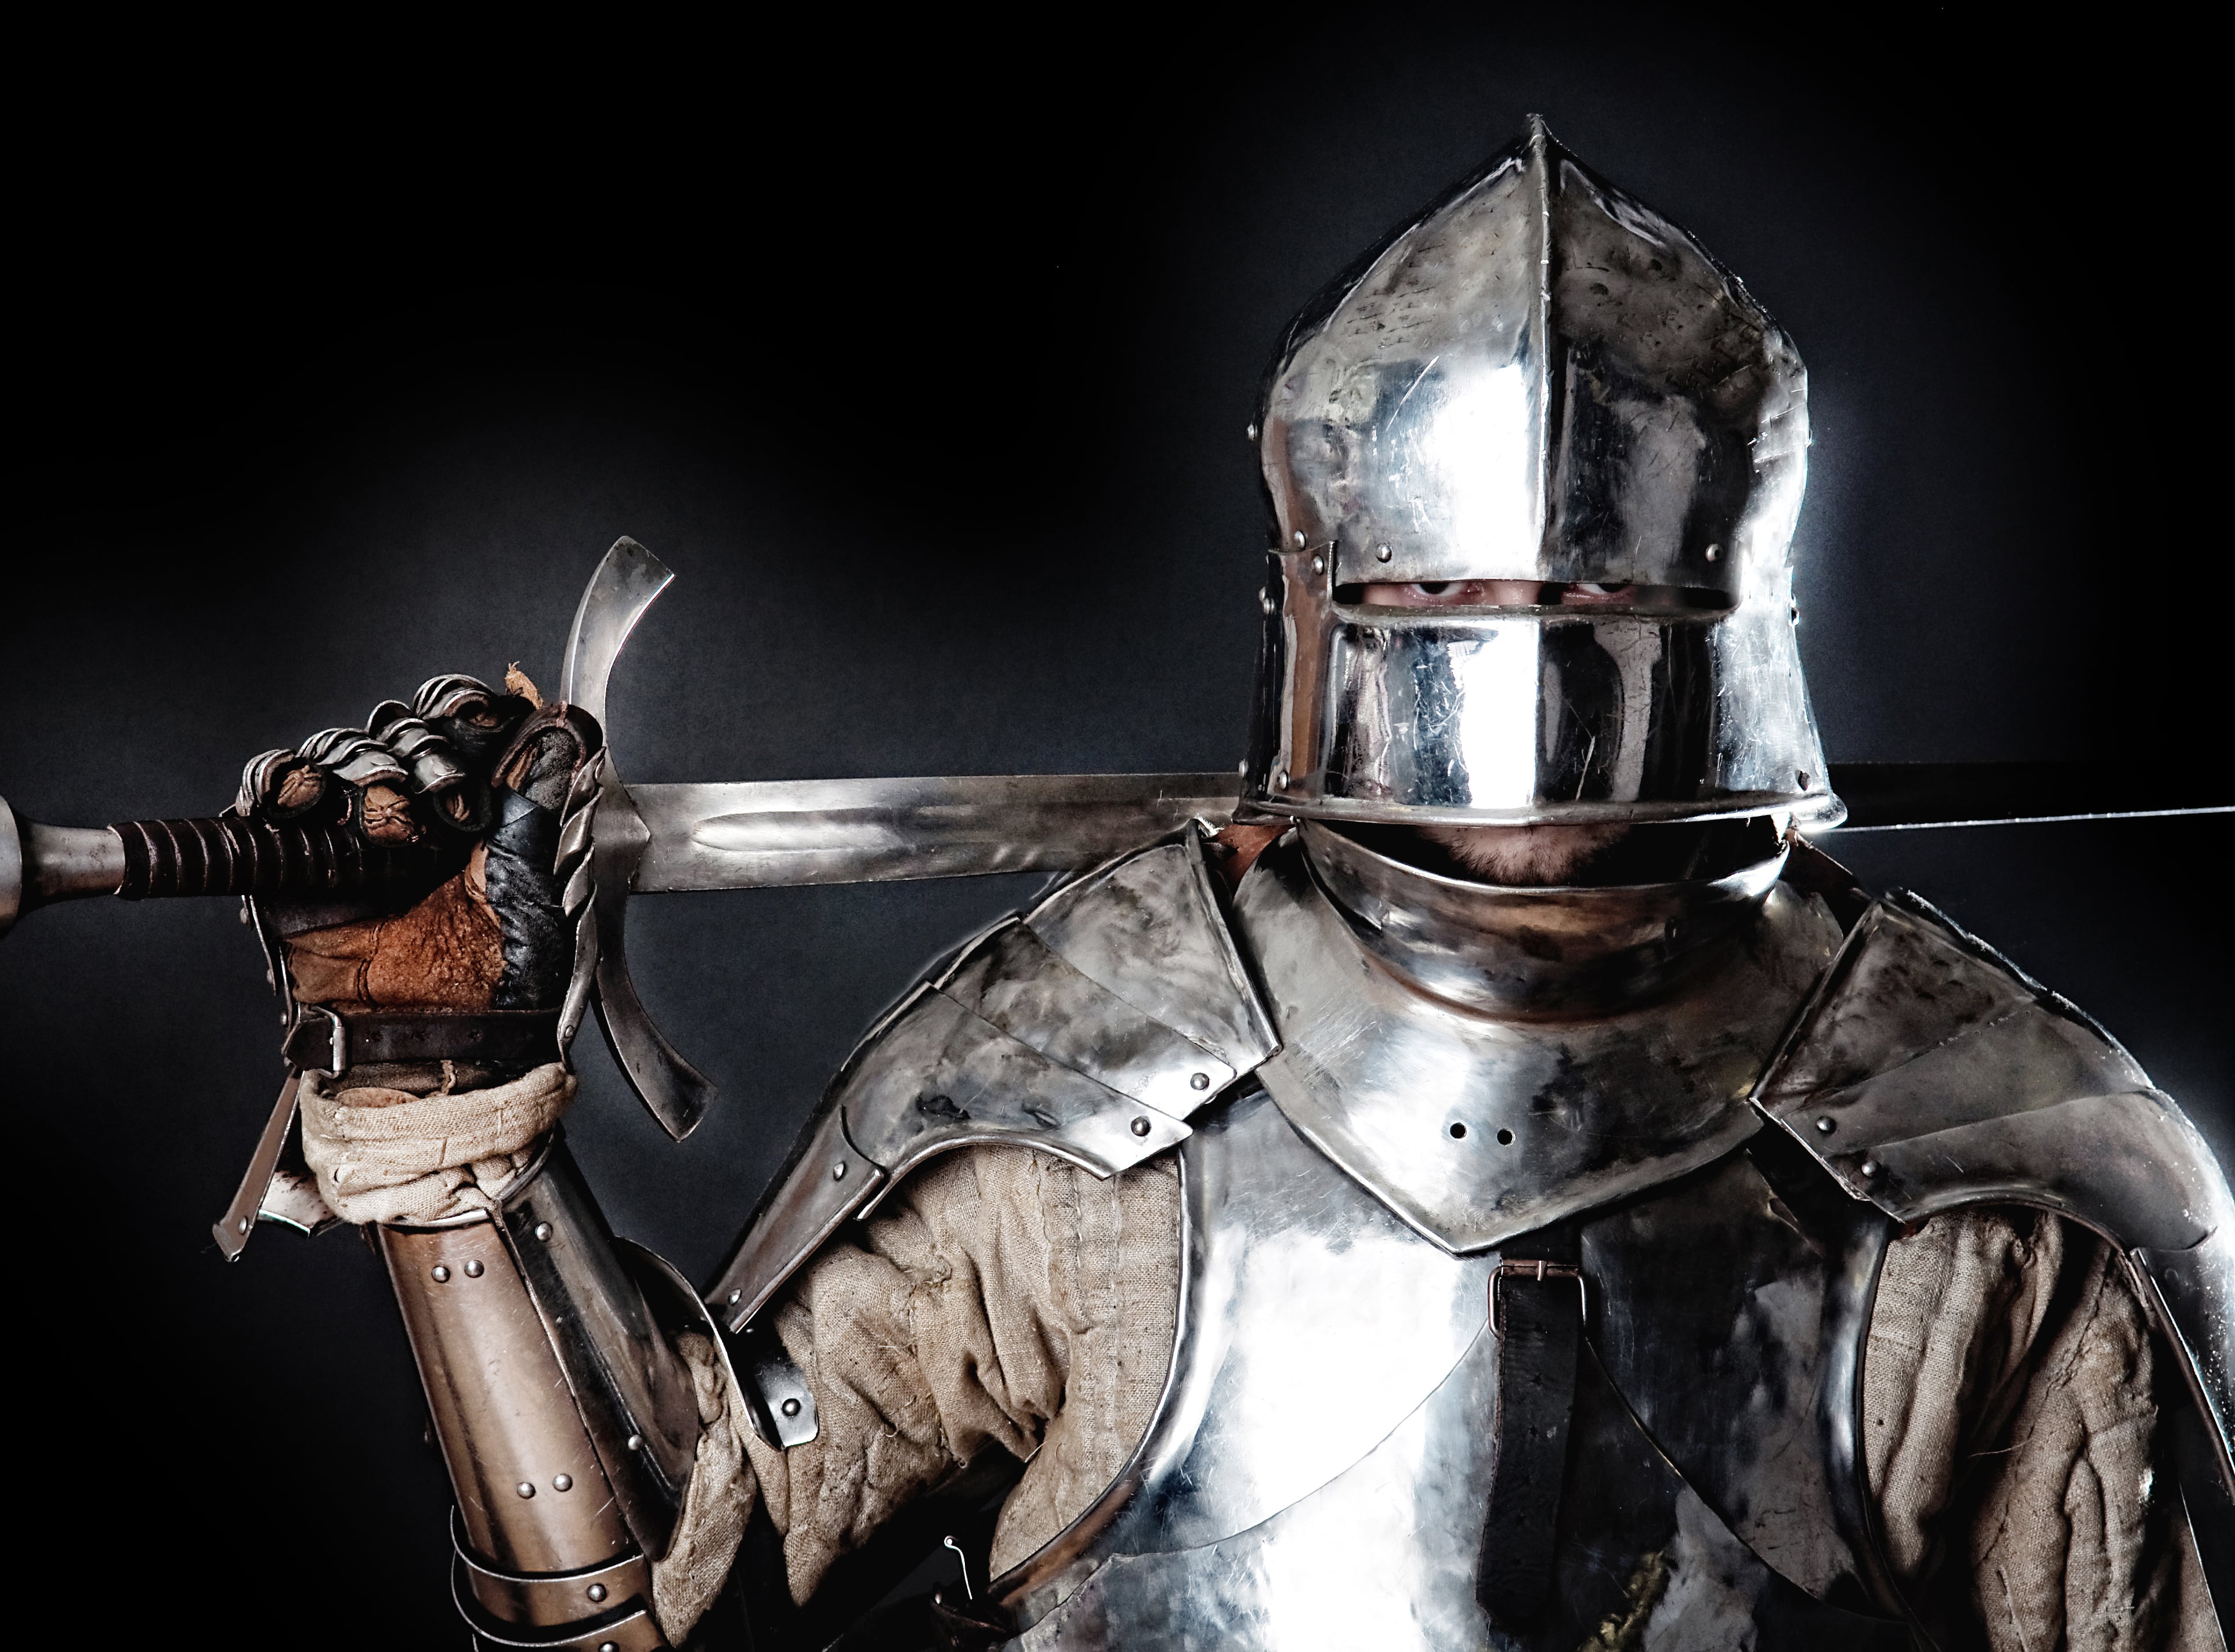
[(1433, 587)]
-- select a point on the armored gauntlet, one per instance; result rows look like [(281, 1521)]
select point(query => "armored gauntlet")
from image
[(428, 1025)]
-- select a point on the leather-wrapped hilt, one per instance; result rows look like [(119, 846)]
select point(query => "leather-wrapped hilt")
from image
[(228, 855)]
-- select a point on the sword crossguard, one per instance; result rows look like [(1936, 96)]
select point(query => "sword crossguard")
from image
[(625, 583)]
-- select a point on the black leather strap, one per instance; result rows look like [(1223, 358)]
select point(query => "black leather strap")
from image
[(330, 1042), (1536, 1310)]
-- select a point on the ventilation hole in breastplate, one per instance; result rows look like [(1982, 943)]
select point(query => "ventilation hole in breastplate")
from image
[(1506, 1138), (1459, 1132)]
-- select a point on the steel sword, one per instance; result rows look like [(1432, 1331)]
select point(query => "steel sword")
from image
[(659, 837)]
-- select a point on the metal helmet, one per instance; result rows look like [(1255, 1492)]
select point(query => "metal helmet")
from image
[(1541, 379)]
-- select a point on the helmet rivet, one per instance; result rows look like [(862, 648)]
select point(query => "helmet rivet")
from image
[(1714, 551), (1826, 1125), (1266, 602), (562, 1482), (1141, 1127), (1299, 538), (1319, 564), (1382, 554), (1199, 1080), (597, 1592), (1869, 1168), (442, 1274), (1253, 432), (838, 1172), (1281, 780)]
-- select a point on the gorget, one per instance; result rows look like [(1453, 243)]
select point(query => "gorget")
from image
[(1488, 1060)]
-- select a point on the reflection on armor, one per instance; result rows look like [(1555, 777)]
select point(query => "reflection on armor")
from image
[(1540, 380)]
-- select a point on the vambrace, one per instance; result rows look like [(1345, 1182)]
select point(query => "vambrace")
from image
[(565, 1418)]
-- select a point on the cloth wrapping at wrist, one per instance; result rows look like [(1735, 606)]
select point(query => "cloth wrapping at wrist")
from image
[(385, 1155)]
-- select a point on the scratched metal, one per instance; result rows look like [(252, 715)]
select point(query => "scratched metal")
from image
[(1928, 1072), (1317, 1474), (1709, 1310), (1540, 379), (1090, 1030), (1473, 1127)]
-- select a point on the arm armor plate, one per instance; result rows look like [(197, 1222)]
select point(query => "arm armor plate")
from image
[(1928, 1072), (566, 1420), (1090, 1029)]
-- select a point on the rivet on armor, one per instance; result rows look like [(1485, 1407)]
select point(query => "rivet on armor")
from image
[(636, 1442), (243, 1224), (737, 1296), (1869, 1168), (1382, 554), (442, 1274), (838, 1172), (1265, 601), (597, 1592), (1714, 551), (609, 1646), (1827, 1126), (1198, 1080), (473, 1269), (790, 1407), (562, 1482), (526, 1488), (1281, 780), (1140, 1126), (543, 1230), (1319, 564), (1299, 538), (1253, 432)]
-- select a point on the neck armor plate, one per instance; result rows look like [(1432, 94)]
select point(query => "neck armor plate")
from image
[(1432, 1071)]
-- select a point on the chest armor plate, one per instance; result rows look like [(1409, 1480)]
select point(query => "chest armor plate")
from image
[(1319, 1467)]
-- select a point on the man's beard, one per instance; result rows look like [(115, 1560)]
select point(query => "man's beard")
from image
[(1530, 857)]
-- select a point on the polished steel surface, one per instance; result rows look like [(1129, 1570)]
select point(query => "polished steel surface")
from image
[(231, 1229), (11, 868), (1473, 1127), (1708, 1304), (1313, 1327), (769, 834), (1949, 1078), (1542, 379), (1317, 1471), (1559, 952), (549, 1598), (1151, 931), (42, 864), (500, 1404), (626, 1379), (805, 1205), (1091, 1027), (624, 583)]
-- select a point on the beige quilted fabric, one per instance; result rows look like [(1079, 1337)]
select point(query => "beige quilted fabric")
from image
[(1003, 1299), (2009, 1426)]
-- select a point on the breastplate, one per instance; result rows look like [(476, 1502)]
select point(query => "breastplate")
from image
[(1318, 1468)]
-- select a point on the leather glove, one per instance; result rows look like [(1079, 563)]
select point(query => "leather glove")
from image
[(477, 782)]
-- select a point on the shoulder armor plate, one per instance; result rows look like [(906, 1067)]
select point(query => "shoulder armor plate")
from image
[(1928, 1072), (1091, 1027)]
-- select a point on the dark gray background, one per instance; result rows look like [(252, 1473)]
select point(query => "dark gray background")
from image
[(929, 376)]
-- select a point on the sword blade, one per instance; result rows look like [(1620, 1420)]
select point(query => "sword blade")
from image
[(1916, 797), (772, 834)]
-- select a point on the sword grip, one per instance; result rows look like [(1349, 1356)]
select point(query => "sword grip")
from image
[(226, 855)]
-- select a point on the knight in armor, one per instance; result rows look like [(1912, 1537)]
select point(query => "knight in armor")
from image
[(1507, 1190)]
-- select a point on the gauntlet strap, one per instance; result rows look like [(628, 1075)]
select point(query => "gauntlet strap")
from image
[(330, 1042)]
